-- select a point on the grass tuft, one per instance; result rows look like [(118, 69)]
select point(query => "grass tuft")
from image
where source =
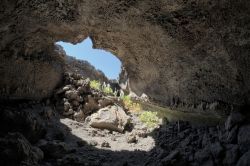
[(94, 84), (108, 90), (149, 118)]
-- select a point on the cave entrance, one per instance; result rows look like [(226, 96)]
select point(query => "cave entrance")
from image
[(102, 60)]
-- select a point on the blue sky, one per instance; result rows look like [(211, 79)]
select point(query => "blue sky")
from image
[(100, 59)]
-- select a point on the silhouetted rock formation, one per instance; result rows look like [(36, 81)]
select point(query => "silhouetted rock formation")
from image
[(85, 69)]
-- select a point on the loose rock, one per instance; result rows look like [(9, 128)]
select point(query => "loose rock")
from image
[(112, 118)]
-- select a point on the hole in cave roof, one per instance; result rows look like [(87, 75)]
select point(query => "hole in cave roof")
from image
[(102, 60)]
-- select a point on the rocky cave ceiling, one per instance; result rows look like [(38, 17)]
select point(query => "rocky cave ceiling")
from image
[(177, 51)]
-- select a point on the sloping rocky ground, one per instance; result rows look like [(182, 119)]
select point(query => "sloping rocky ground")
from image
[(84, 68), (40, 133)]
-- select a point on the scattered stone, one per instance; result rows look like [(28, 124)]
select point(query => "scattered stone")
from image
[(69, 112), (54, 149), (80, 82), (15, 149), (131, 138), (72, 95), (105, 102), (113, 138), (83, 89), (67, 87), (75, 103), (105, 144), (26, 120), (67, 106), (141, 133), (91, 105), (112, 118), (81, 143), (93, 143), (79, 116), (144, 97), (93, 133), (176, 143)]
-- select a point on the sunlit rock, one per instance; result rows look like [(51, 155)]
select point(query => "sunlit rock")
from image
[(112, 118)]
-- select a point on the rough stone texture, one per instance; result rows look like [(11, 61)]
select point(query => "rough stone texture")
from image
[(177, 51), (22, 120), (233, 119), (16, 150), (82, 67), (244, 137), (32, 76), (67, 142), (85, 69), (112, 118), (244, 160)]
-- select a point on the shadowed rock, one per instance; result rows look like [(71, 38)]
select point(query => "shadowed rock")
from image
[(180, 52)]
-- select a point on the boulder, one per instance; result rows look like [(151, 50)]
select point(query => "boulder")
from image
[(231, 155), (232, 135), (233, 119), (70, 112), (202, 156), (67, 106), (80, 82), (91, 105), (75, 103), (105, 102), (244, 160), (16, 149), (24, 121), (131, 138), (216, 149), (54, 149), (73, 95), (79, 116), (67, 87), (112, 118), (244, 138), (30, 78), (83, 89)]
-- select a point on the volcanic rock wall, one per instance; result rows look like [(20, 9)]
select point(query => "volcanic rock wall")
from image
[(85, 69), (177, 51)]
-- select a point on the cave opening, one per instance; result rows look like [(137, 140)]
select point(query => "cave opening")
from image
[(102, 60)]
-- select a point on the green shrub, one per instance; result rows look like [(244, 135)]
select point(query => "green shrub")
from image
[(94, 84), (149, 118), (108, 90), (130, 105), (126, 101)]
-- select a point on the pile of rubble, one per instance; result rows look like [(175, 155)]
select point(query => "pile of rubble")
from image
[(77, 100)]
